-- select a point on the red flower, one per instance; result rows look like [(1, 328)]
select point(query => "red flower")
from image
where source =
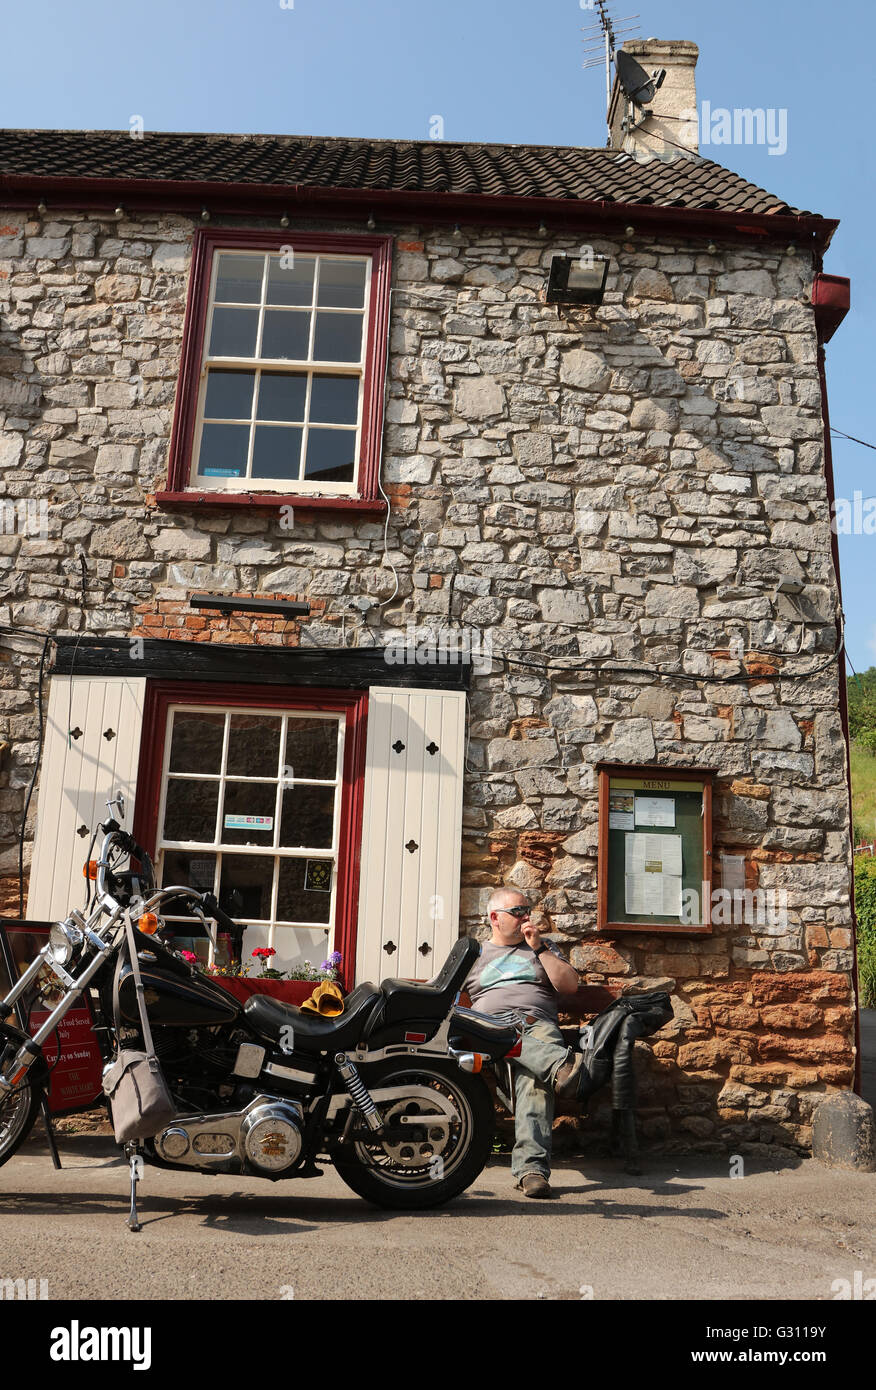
[(264, 952)]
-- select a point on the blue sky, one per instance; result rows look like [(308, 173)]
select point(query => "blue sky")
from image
[(494, 70)]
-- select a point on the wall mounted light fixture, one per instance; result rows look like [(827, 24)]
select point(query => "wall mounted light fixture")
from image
[(576, 280)]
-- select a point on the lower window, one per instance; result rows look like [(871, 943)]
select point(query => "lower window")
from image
[(254, 804)]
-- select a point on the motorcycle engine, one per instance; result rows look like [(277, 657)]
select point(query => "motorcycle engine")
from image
[(265, 1138), (270, 1137)]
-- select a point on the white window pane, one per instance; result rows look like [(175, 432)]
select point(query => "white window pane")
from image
[(307, 817), (290, 284), (245, 887), (285, 334), (338, 338), (341, 284), (191, 869), (229, 395), (334, 400), (234, 332), (190, 810), (331, 455), (223, 451), (277, 451), (248, 814), (295, 945), (296, 902), (196, 742), (312, 749), (253, 746), (239, 279), (282, 396)]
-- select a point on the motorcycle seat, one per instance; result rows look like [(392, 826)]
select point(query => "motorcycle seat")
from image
[(405, 1000), (312, 1032)]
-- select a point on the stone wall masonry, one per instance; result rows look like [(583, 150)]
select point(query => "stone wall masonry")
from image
[(622, 489)]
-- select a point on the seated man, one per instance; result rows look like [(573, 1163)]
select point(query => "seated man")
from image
[(518, 976)]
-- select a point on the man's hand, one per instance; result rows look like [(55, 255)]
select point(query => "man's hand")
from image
[(562, 976), (531, 935)]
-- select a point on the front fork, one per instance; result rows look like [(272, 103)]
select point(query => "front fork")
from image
[(15, 1064)]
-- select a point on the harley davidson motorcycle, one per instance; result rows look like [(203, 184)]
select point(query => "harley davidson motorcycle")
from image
[(388, 1091)]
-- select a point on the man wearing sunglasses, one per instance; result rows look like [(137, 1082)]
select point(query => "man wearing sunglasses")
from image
[(519, 976)]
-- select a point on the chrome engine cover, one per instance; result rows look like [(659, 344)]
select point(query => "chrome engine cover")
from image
[(270, 1137), (265, 1135)]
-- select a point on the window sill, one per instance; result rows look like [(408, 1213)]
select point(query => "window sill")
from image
[(220, 501), (653, 929)]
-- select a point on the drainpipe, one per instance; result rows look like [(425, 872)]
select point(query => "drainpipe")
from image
[(830, 298)]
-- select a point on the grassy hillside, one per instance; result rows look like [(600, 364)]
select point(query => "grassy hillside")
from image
[(863, 793)]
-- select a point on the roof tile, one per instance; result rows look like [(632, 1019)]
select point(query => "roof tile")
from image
[(522, 171)]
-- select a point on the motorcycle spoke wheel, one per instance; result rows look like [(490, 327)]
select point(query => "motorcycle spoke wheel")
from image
[(412, 1153), (425, 1158), (17, 1114)]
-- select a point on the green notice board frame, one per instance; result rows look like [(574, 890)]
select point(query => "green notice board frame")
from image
[(637, 806)]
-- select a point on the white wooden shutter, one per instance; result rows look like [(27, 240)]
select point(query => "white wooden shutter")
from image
[(412, 832), (77, 777)]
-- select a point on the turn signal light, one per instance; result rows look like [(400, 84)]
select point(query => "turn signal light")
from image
[(89, 870), (148, 924)]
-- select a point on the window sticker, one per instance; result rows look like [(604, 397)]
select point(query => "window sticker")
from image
[(233, 822), (318, 875)]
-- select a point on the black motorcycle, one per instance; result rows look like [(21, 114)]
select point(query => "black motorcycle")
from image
[(388, 1091)]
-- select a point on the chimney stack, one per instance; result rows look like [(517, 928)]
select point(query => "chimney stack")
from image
[(674, 105)]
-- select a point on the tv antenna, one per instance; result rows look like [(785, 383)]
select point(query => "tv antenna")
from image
[(602, 40)]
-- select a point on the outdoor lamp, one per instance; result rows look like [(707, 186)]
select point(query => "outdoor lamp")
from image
[(575, 280)]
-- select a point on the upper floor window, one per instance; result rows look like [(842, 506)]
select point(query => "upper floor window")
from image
[(281, 383)]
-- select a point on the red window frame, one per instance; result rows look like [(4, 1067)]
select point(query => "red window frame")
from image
[(160, 695), (207, 242)]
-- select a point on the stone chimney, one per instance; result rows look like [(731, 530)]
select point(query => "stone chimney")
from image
[(675, 98)]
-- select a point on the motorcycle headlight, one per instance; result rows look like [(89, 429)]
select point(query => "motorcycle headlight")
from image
[(64, 939)]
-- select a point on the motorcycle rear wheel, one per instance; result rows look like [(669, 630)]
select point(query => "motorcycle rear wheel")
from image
[(420, 1166), (18, 1112)]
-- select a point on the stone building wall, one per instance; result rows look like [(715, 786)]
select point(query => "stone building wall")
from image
[(621, 488)]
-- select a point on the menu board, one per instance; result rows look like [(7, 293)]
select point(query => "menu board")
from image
[(654, 848)]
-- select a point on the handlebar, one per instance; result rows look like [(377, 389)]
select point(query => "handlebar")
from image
[(127, 843)]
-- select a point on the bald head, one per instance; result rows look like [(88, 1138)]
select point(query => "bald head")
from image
[(505, 897)]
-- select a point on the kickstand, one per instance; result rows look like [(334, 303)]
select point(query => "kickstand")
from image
[(50, 1133), (135, 1162)]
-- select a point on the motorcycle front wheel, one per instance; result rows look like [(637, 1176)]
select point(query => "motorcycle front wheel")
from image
[(424, 1158), (17, 1114)]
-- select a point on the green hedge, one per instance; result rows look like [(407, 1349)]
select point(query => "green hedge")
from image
[(865, 906)]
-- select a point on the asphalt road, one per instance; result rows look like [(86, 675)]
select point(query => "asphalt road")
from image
[(684, 1230)]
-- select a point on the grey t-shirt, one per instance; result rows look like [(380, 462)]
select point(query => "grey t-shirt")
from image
[(512, 977)]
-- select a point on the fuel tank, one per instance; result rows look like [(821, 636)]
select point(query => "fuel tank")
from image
[(174, 999)]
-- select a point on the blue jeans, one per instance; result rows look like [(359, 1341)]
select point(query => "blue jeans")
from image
[(542, 1053)]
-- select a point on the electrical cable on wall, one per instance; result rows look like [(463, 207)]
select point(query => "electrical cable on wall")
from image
[(833, 430)]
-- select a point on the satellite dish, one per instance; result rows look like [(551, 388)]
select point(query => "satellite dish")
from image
[(634, 80)]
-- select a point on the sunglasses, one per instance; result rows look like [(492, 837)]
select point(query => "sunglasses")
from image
[(518, 912)]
